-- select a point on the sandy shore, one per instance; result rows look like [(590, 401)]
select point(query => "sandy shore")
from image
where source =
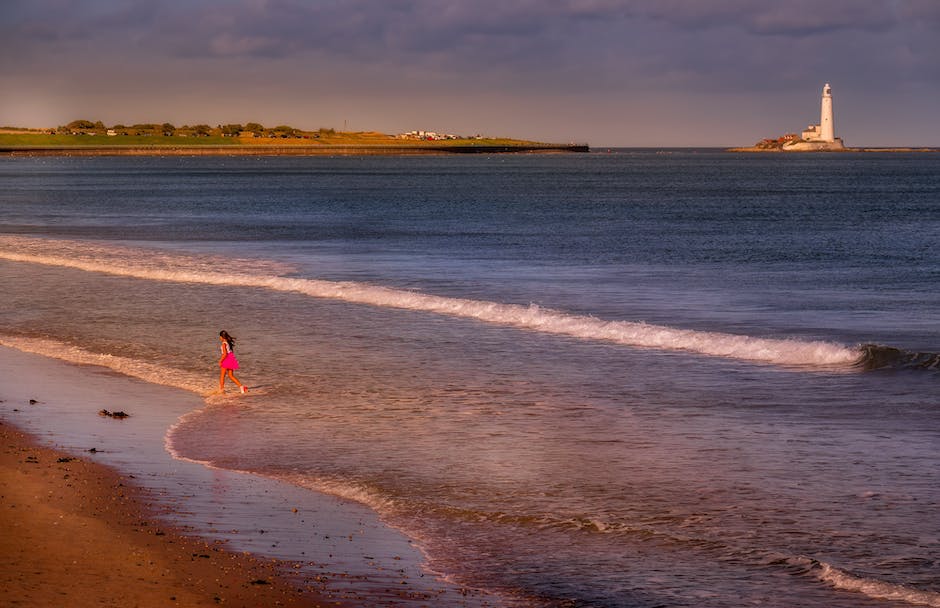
[(133, 526), (76, 533)]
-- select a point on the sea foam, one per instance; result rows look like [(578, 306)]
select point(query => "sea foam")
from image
[(876, 589), (135, 368), (142, 264)]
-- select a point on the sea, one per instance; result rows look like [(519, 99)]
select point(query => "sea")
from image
[(624, 378)]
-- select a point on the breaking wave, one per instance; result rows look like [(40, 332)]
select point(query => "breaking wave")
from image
[(873, 588), (392, 509), (874, 356), (156, 266), (135, 368)]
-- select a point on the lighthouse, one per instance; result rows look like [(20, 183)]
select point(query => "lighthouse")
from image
[(826, 132), (821, 136)]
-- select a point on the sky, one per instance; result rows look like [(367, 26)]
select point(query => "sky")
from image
[(605, 72)]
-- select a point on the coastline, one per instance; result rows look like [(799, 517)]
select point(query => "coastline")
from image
[(80, 533), (307, 544), (263, 150)]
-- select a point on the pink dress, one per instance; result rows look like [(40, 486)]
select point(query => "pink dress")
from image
[(229, 361)]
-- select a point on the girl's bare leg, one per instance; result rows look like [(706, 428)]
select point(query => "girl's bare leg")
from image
[(222, 379), (234, 379)]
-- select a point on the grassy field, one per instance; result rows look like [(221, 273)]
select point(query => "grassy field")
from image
[(13, 139), (96, 141)]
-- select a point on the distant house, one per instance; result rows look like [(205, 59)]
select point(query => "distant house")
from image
[(427, 135)]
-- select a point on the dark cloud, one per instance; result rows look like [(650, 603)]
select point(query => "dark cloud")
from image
[(786, 18), (463, 32), (369, 30)]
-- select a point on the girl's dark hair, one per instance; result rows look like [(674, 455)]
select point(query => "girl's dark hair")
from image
[(228, 338)]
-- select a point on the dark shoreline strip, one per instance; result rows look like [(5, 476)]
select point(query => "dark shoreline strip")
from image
[(285, 150)]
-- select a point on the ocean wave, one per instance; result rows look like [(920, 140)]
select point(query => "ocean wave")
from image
[(405, 513), (873, 588), (135, 368), (143, 264), (400, 507), (390, 507)]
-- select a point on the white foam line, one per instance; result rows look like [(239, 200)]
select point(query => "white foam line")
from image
[(532, 317), (877, 589), (149, 372)]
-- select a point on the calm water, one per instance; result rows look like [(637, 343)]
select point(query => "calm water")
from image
[(627, 379)]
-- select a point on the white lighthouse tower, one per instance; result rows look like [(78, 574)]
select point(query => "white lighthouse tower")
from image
[(826, 132), (821, 136)]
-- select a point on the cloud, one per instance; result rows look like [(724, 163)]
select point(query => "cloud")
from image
[(458, 34), (792, 18), (579, 58)]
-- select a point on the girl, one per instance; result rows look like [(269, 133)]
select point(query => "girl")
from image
[(228, 363)]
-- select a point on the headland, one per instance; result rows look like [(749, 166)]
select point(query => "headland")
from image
[(84, 138)]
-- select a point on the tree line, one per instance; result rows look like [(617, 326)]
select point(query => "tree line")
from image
[(251, 129)]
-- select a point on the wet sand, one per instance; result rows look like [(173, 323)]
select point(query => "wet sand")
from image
[(76, 533)]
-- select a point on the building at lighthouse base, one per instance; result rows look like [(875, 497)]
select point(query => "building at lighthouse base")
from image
[(801, 145)]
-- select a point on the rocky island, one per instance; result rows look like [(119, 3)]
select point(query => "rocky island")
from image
[(815, 138)]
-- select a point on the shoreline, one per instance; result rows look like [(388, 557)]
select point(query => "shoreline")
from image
[(260, 150), (334, 550), (108, 548)]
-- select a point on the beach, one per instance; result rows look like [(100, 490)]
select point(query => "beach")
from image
[(76, 533), (99, 512)]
